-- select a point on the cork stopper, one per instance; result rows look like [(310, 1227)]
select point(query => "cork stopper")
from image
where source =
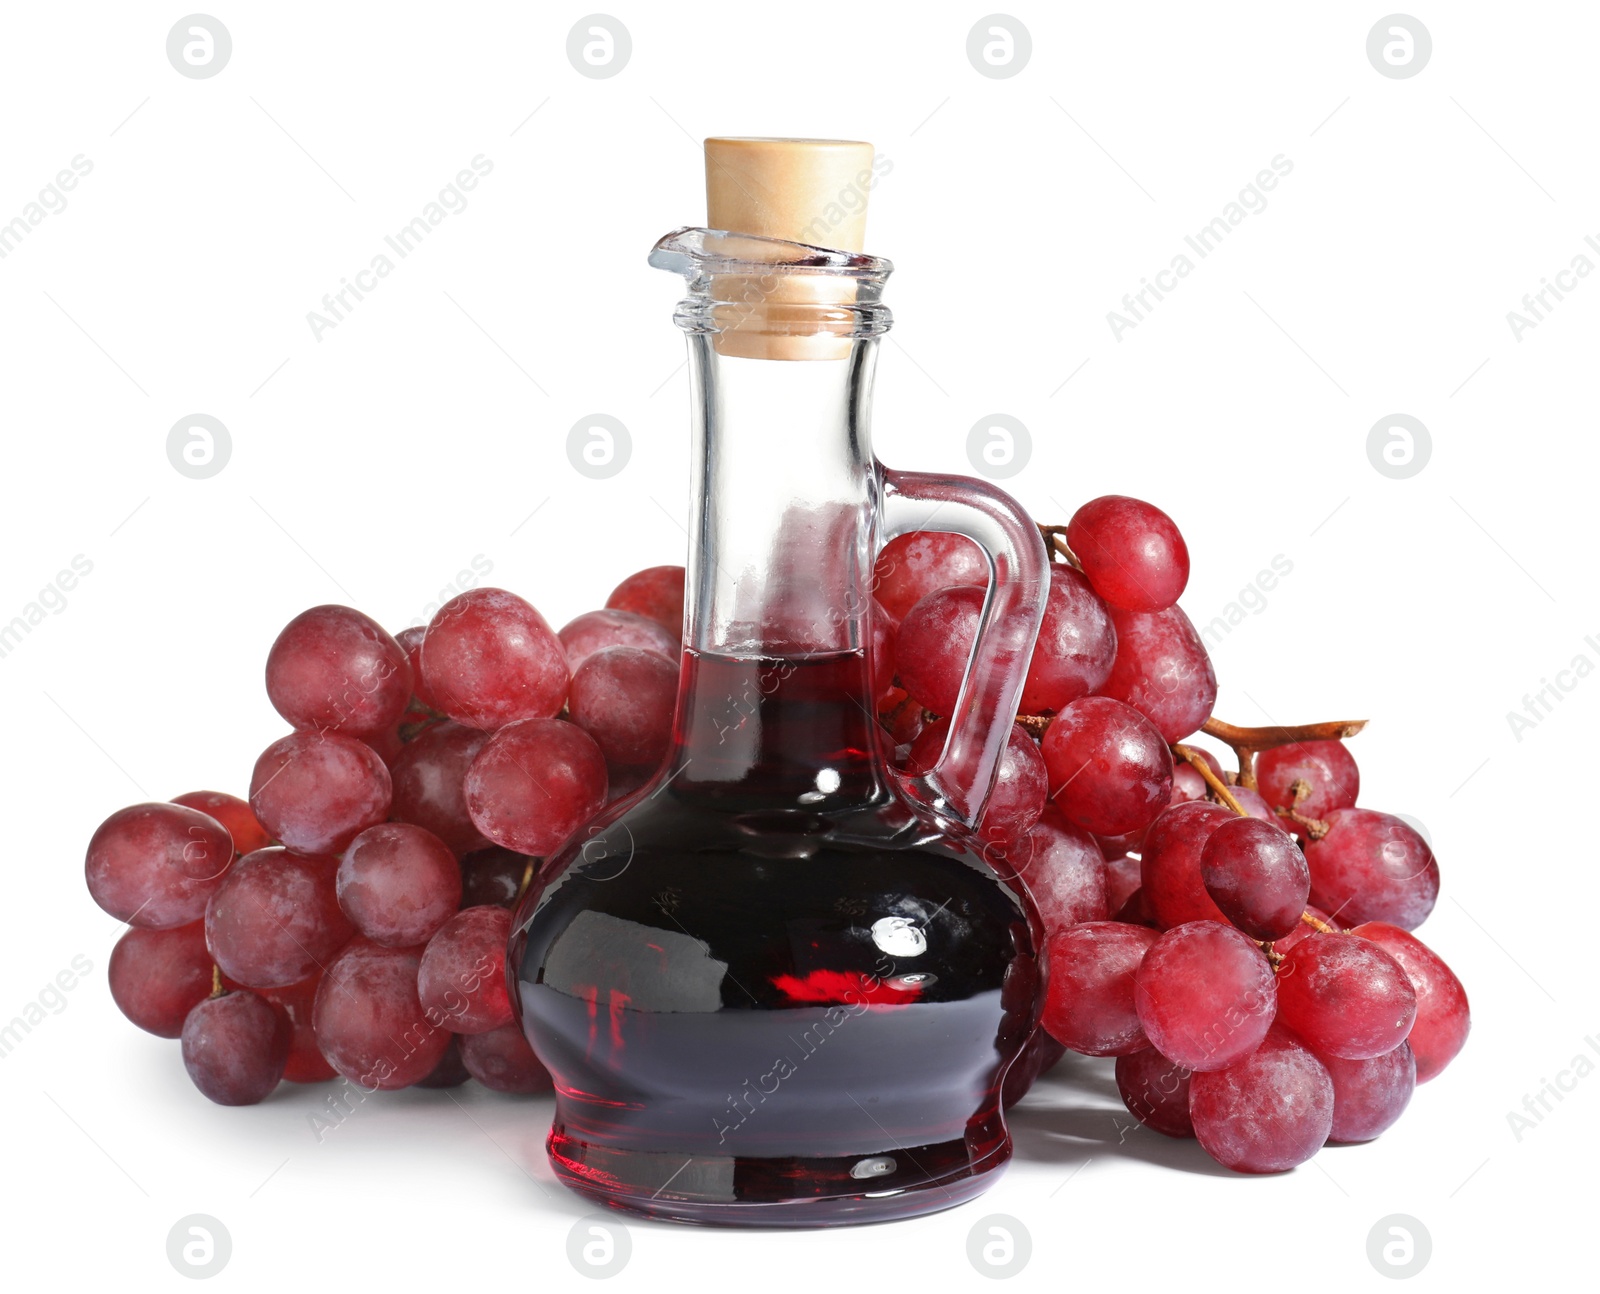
[(803, 191)]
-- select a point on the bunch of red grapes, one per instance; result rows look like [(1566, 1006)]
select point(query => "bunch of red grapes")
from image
[(352, 918), (1240, 942)]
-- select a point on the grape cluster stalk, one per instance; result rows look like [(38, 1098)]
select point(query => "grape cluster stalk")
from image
[(1237, 943)]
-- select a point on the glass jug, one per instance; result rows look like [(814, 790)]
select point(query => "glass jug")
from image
[(780, 985)]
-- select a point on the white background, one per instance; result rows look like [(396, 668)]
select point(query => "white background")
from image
[(372, 465)]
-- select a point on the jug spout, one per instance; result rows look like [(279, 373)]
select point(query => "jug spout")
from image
[(696, 253)]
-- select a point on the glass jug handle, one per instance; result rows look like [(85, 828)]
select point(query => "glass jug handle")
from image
[(959, 783)]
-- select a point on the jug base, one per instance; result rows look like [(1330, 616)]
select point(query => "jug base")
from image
[(780, 1191)]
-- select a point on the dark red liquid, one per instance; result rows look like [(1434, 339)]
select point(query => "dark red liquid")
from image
[(767, 993)]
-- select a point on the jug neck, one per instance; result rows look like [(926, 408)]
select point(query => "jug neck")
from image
[(783, 519), (783, 503)]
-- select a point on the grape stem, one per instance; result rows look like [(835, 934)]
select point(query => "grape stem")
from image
[(1316, 923), (1218, 786), (1316, 828), (216, 980), (1055, 540), (1246, 743), (527, 878), (1035, 724)]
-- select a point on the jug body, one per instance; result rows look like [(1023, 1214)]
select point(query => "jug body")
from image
[(775, 1015)]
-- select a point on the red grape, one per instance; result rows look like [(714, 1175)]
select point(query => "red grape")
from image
[(900, 715), (1443, 1016), (934, 642), (1369, 1095), (1128, 842), (1076, 645), (1325, 766), (410, 640), (1187, 784), (155, 865), (1110, 769), (1373, 867), (1257, 875), (1020, 784), (1122, 879), (233, 813), (656, 593), (1205, 995), (1089, 1004), (918, 563), (1173, 886), (1162, 670), (625, 782), (1345, 997), (884, 634), (334, 669), (235, 1047), (535, 783), (388, 745), (462, 979), (1252, 803), (158, 976), (428, 784), (503, 1062), (398, 884), (596, 630), (1267, 1113), (276, 918), (369, 1023), (1135, 911), (449, 1072), (493, 877), (317, 791), (1062, 870), (1131, 552), (624, 698), (1304, 930), (306, 1062), (489, 659), (1156, 1091)]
